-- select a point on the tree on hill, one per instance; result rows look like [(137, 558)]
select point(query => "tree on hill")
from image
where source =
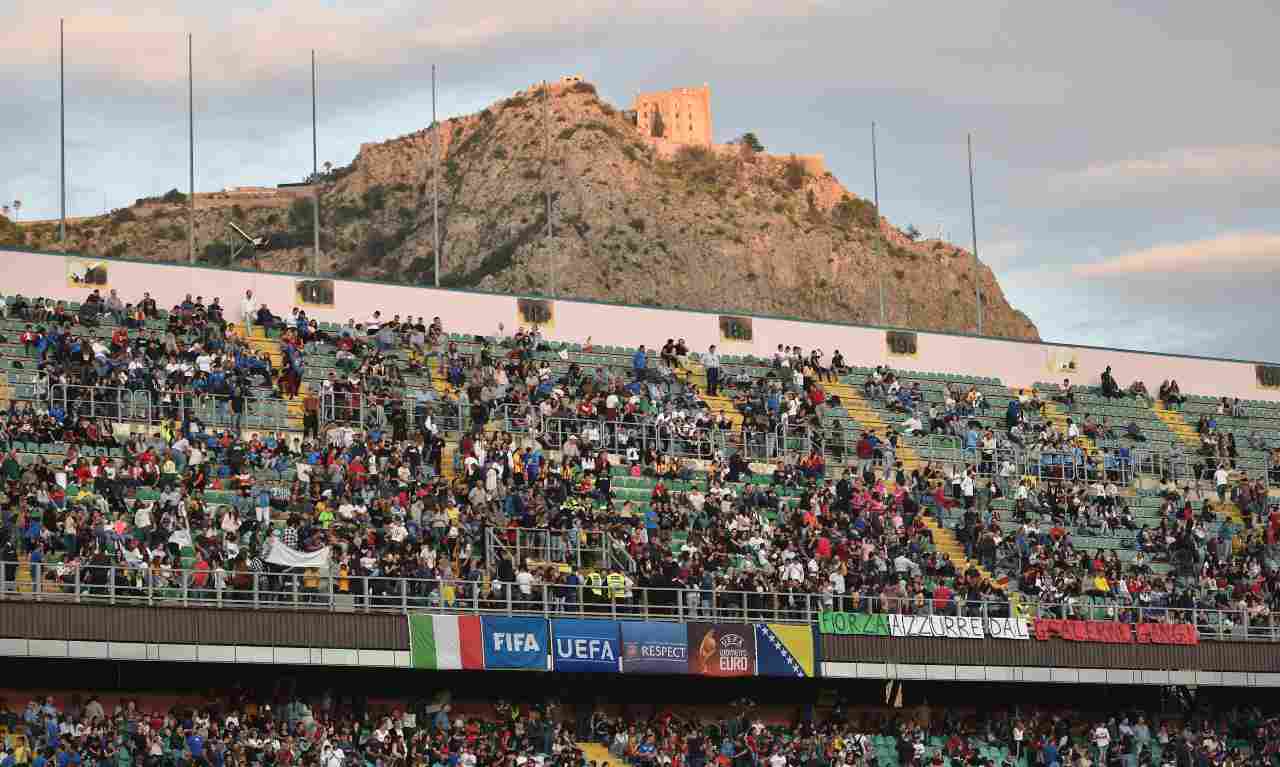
[(912, 233), (750, 141), (10, 233)]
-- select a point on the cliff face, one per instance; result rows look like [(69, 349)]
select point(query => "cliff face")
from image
[(721, 229)]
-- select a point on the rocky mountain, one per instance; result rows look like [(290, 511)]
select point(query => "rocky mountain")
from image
[(726, 228)]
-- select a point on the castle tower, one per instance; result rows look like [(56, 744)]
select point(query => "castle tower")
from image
[(679, 116)]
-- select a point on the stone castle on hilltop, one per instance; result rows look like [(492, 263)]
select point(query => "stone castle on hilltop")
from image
[(681, 117), (668, 121)]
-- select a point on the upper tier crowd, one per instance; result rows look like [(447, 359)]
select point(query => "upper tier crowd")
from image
[(243, 728), (404, 480)]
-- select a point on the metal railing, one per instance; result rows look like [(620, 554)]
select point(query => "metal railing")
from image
[(615, 437), (142, 406), (339, 592), (574, 547), (362, 411)]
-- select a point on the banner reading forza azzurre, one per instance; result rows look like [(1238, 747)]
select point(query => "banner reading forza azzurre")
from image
[(515, 643), (944, 626), (722, 649), (585, 645), (654, 648)]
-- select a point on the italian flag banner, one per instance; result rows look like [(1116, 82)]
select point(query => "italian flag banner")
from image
[(446, 642)]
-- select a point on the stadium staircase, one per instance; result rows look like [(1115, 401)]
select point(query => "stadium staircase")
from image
[(1178, 425), (694, 374), (595, 753), (1190, 439), (1054, 414), (23, 578), (261, 341), (943, 539)]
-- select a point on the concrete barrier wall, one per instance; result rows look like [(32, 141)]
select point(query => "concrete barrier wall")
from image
[(1015, 363)]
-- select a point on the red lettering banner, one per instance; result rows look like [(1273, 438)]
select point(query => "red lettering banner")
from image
[(1114, 632)]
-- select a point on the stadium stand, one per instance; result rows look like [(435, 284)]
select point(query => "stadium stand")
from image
[(389, 462), (280, 727)]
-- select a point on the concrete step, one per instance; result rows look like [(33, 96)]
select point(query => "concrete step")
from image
[(597, 754), (946, 542)]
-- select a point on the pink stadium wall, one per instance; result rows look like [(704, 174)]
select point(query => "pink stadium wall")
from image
[(1015, 363)]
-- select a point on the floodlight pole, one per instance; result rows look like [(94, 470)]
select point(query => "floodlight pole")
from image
[(875, 173), (973, 223), (435, 179), (315, 176), (191, 157), (881, 280), (62, 131), (546, 174)]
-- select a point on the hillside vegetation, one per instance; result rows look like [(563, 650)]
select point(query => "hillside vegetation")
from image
[(734, 230)]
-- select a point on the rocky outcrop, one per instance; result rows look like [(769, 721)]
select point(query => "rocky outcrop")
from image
[(723, 229)]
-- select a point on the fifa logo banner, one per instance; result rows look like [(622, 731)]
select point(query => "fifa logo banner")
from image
[(515, 643), (722, 649)]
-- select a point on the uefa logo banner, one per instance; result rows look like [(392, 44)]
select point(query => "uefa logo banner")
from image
[(722, 649)]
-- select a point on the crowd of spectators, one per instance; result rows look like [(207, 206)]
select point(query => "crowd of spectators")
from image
[(541, 439), (242, 729)]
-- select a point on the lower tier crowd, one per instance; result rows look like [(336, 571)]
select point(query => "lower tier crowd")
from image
[(243, 729)]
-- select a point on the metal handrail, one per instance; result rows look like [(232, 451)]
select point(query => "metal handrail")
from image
[(362, 411), (335, 591), (550, 545), (121, 405)]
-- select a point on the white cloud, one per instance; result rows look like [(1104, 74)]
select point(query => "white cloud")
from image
[(1210, 163), (250, 42), (1248, 252), (1186, 175)]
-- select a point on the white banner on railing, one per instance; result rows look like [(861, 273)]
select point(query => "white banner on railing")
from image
[(956, 627), (1007, 628), (284, 556), (941, 626)]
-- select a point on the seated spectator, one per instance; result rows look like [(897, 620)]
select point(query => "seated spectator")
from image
[(1066, 395), (266, 319), (1134, 432), (838, 365), (1110, 389), (1170, 395)]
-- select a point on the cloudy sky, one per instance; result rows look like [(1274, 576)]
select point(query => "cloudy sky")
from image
[(1128, 159)]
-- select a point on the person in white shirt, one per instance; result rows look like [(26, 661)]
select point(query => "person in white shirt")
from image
[(1221, 478), (247, 308), (1102, 741), (524, 581), (967, 489)]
